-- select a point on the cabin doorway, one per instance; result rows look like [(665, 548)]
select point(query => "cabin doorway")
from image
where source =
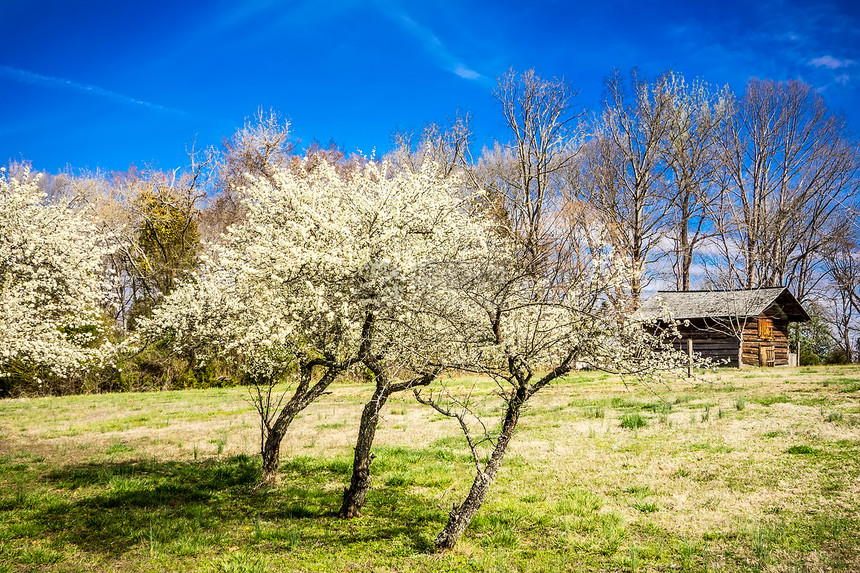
[(766, 356)]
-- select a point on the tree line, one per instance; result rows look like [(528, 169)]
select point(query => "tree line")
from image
[(698, 187)]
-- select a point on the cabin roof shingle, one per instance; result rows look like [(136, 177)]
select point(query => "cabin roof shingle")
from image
[(682, 305)]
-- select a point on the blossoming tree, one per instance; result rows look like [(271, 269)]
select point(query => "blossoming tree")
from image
[(406, 225), (527, 321), (51, 286), (324, 274)]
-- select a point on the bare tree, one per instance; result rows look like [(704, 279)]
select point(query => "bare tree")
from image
[(842, 295), (625, 167), (695, 117), (523, 177), (787, 162)]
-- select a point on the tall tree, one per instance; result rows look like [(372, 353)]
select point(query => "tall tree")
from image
[(696, 114), (523, 177), (787, 162), (841, 296), (625, 169)]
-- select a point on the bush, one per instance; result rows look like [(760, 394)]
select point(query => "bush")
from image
[(809, 358), (837, 356), (154, 368), (802, 450), (158, 368)]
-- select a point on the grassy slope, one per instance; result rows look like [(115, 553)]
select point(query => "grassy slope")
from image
[(758, 469)]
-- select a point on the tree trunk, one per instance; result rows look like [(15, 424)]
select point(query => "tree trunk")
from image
[(635, 291), (686, 263), (354, 496), (684, 240), (460, 516), (304, 395), (271, 461), (271, 451)]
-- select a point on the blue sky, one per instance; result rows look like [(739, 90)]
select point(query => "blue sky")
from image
[(106, 84)]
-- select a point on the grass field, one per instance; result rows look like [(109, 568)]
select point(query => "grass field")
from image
[(750, 470)]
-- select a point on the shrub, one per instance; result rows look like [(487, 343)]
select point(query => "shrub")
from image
[(809, 358), (834, 417), (837, 356), (802, 450)]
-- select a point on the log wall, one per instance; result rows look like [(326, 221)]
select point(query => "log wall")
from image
[(753, 344), (712, 340)]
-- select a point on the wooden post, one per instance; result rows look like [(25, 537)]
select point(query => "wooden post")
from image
[(690, 356), (797, 346)]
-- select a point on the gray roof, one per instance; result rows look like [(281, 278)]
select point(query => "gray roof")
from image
[(681, 305)]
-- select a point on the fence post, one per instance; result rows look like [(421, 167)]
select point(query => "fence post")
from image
[(690, 357)]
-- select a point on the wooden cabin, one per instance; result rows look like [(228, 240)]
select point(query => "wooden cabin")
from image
[(724, 325)]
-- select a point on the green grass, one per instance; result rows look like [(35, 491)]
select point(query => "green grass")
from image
[(166, 481), (633, 420), (803, 450), (834, 417)]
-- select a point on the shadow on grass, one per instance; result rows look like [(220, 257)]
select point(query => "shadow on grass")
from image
[(196, 507)]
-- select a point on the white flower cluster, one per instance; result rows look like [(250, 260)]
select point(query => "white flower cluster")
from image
[(319, 253), (51, 282)]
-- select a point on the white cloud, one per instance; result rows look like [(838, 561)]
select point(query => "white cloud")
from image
[(842, 79), (830, 62), (466, 73), (27, 77), (430, 41)]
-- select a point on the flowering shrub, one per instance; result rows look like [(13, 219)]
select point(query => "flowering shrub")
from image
[(330, 269)]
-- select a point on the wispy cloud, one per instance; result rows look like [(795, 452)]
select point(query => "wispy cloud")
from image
[(830, 62), (431, 42), (466, 73), (33, 78), (268, 17)]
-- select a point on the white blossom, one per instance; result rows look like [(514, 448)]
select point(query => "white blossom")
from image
[(320, 252), (51, 283)]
